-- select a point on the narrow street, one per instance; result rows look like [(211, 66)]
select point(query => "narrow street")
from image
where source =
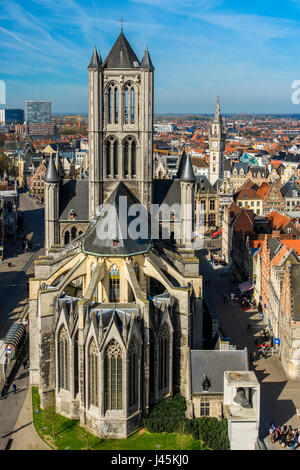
[(14, 294), (279, 396)]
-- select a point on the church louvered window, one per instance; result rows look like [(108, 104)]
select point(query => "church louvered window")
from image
[(113, 376), (111, 157), (129, 104), (63, 359), (164, 358), (129, 157), (113, 104), (133, 374), (93, 374), (114, 284)]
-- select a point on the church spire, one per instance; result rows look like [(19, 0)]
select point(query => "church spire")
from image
[(218, 117)]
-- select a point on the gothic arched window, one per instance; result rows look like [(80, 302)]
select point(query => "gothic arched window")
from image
[(113, 103), (73, 233), (113, 376), (67, 237), (93, 374), (133, 374), (111, 156), (116, 100), (107, 149), (129, 104), (110, 105), (63, 359), (163, 357), (114, 284), (133, 158), (126, 158), (115, 158), (129, 157), (76, 365), (132, 105)]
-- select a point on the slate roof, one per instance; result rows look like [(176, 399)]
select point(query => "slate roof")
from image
[(240, 165), (187, 173), (121, 55), (126, 245), (74, 194), (51, 175), (213, 364), (166, 191), (181, 164), (259, 169), (96, 61), (204, 185), (288, 188), (273, 245), (146, 61)]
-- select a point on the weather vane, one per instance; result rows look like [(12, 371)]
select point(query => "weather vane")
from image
[(122, 22)]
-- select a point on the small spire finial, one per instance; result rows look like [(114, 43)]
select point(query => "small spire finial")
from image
[(122, 22)]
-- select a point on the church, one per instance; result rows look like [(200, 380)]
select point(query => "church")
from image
[(113, 319)]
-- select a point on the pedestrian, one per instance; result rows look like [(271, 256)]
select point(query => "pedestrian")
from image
[(296, 438), (14, 388), (298, 411)]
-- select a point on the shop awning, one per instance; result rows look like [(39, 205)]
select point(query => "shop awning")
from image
[(245, 287), (15, 335)]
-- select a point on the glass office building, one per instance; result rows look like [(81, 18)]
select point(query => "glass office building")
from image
[(14, 116), (37, 111)]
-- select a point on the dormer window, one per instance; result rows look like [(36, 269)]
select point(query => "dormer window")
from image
[(72, 214), (205, 384)]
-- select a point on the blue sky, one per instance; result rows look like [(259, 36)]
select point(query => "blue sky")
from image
[(245, 51)]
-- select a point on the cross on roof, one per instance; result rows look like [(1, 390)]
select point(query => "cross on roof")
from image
[(122, 22)]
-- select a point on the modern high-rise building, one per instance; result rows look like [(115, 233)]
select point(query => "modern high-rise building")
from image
[(12, 116), (37, 111)]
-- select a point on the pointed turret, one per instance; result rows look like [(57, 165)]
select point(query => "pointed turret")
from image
[(121, 55), (146, 62), (51, 175), (186, 171), (181, 165), (96, 61), (58, 165)]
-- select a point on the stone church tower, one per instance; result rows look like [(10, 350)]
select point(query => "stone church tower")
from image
[(112, 319), (120, 124), (216, 146)]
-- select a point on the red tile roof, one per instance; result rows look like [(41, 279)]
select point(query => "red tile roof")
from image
[(278, 221)]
